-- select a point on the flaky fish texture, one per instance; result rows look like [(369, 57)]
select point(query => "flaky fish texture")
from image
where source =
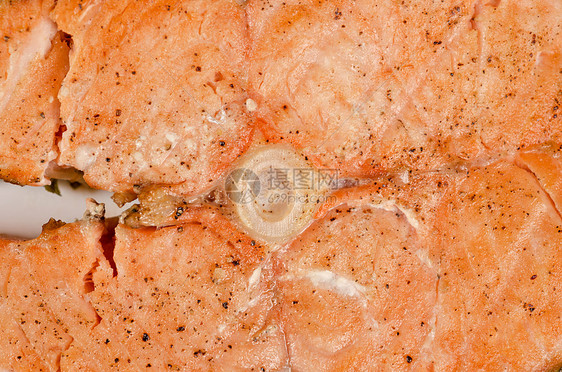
[(33, 63), (373, 87), (155, 93), (456, 270), (439, 248)]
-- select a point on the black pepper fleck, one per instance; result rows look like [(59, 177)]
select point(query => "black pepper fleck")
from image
[(179, 212)]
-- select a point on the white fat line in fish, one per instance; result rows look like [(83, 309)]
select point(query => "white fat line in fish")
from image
[(331, 281), (338, 284), (253, 285), (391, 206)]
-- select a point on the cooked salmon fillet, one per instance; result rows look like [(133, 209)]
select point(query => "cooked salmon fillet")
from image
[(546, 165), (45, 294), (452, 270), (193, 296), (355, 294), (438, 249), (500, 266), (33, 63), (493, 236), (165, 94), (155, 93), (381, 87)]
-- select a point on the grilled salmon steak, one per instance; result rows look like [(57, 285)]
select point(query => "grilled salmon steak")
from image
[(455, 270), (167, 94), (382, 87), (155, 93), (342, 185), (193, 296)]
